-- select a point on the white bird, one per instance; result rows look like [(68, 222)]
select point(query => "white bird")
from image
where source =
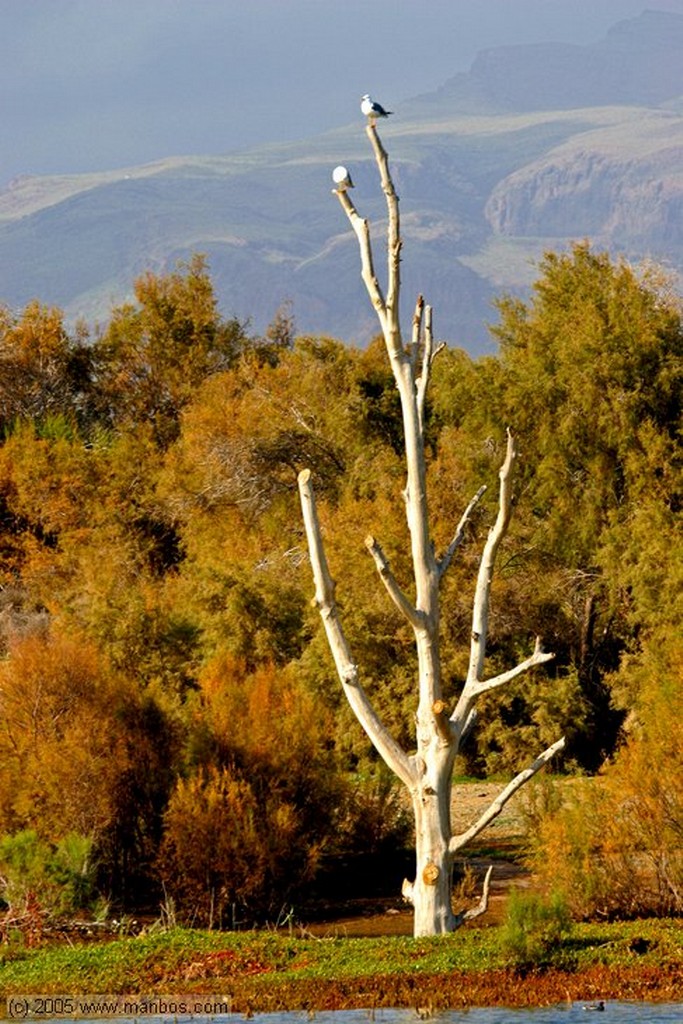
[(372, 109), (341, 178)]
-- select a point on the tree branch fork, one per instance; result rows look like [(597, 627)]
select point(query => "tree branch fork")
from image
[(450, 728)]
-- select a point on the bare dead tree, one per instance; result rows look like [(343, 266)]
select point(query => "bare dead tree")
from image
[(440, 730)]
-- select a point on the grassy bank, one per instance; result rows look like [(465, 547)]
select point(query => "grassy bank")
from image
[(264, 971)]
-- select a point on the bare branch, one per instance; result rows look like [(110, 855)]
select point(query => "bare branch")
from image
[(394, 230), (480, 615), (457, 842), (415, 617), (468, 726), (417, 330), (447, 557), (423, 379), (362, 230), (481, 907), (347, 669), (429, 354), (539, 657)]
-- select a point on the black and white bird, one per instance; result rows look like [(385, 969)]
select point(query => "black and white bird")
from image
[(371, 109), (596, 1006), (341, 178)]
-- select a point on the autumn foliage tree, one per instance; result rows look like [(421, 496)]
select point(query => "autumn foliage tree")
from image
[(43, 371), (61, 751), (245, 828), (154, 573)]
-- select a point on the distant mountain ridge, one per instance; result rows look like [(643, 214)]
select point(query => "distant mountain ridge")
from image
[(638, 63), (535, 147)]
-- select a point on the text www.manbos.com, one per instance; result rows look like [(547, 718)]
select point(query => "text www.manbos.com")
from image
[(34, 1007)]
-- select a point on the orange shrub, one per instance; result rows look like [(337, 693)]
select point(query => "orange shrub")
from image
[(246, 828)]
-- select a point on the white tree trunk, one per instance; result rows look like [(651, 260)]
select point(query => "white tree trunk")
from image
[(427, 773)]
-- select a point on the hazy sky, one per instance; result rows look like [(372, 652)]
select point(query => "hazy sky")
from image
[(98, 84)]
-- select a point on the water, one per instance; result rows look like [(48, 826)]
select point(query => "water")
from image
[(566, 1013), (615, 1013)]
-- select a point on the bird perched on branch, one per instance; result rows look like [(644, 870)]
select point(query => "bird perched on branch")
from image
[(341, 178), (371, 109)]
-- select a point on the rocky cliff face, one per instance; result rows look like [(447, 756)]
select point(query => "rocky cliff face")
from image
[(597, 186)]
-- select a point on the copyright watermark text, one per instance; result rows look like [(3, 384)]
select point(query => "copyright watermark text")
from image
[(44, 1007)]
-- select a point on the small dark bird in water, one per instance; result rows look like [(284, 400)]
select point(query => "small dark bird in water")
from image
[(595, 1006)]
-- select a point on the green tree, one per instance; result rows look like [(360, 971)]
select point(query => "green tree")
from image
[(153, 355), (590, 374)]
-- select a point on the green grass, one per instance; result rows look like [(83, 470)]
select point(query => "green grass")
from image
[(269, 970)]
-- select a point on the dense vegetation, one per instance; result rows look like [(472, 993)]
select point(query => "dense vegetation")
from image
[(171, 721)]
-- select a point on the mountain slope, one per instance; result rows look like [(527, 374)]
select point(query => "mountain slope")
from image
[(482, 194), (637, 63)]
